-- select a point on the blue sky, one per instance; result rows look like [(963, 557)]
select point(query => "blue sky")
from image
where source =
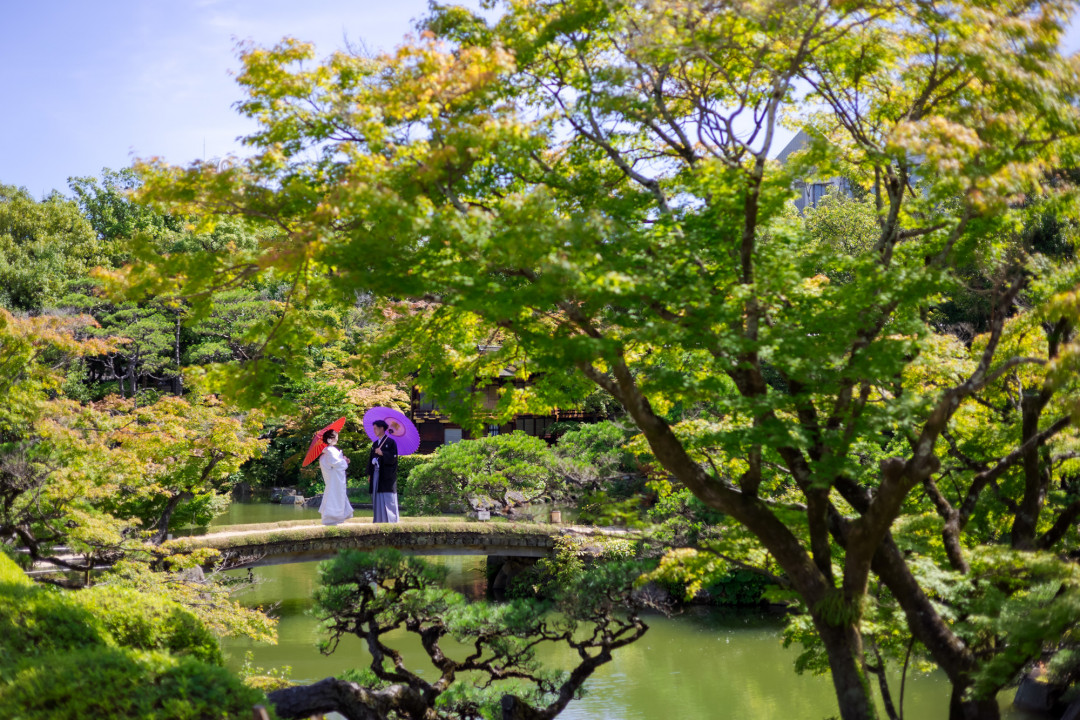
[(94, 83)]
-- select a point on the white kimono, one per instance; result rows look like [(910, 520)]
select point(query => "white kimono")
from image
[(335, 507)]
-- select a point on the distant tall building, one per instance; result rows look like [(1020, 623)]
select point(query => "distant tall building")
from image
[(810, 193)]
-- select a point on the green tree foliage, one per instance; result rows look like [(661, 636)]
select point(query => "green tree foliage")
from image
[(97, 479), (209, 597), (101, 478), (160, 334), (42, 246), (32, 352), (589, 183), (682, 518), (130, 468), (106, 203), (602, 472), (109, 652), (1048, 233), (841, 225), (593, 453), (334, 385), (370, 595), (144, 337), (233, 328)]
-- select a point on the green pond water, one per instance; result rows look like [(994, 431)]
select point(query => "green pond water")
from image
[(703, 663)]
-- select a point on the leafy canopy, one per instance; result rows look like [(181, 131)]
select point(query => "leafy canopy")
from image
[(589, 185)]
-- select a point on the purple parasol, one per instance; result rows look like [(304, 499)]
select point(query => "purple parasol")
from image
[(400, 428)]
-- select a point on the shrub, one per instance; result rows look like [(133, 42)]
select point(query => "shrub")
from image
[(109, 652), (357, 478), (263, 680), (39, 621), (491, 472), (106, 683), (10, 572), (738, 587), (138, 620), (552, 574), (45, 620), (682, 518), (408, 463), (704, 576)]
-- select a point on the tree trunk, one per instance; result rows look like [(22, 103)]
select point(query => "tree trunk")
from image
[(883, 685), (1036, 481), (842, 642), (329, 695), (179, 384), (515, 709), (926, 624), (355, 702), (162, 526), (843, 647)]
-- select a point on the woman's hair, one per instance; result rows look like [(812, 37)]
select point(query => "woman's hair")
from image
[(382, 424), (329, 435)]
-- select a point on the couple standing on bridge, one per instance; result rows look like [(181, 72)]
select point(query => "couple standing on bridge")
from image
[(382, 477)]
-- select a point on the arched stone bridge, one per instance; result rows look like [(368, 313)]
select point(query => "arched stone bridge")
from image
[(302, 541)]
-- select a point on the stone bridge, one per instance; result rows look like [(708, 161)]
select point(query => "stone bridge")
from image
[(300, 541)]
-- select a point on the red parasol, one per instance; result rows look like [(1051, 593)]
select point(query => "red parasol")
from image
[(317, 444)]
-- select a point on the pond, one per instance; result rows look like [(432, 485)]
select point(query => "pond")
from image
[(703, 663)]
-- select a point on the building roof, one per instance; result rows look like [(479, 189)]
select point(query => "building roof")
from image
[(797, 143)]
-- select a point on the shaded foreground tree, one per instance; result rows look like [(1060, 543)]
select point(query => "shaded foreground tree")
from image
[(371, 594), (589, 183)]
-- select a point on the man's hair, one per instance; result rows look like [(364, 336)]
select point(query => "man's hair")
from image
[(382, 424), (329, 435)]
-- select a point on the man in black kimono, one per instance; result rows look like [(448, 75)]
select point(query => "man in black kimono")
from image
[(382, 474)]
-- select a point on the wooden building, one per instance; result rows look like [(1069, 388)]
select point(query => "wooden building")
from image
[(436, 429)]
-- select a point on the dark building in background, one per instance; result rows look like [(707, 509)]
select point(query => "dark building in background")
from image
[(436, 429)]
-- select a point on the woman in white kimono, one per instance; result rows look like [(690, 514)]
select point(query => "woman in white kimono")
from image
[(335, 507)]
